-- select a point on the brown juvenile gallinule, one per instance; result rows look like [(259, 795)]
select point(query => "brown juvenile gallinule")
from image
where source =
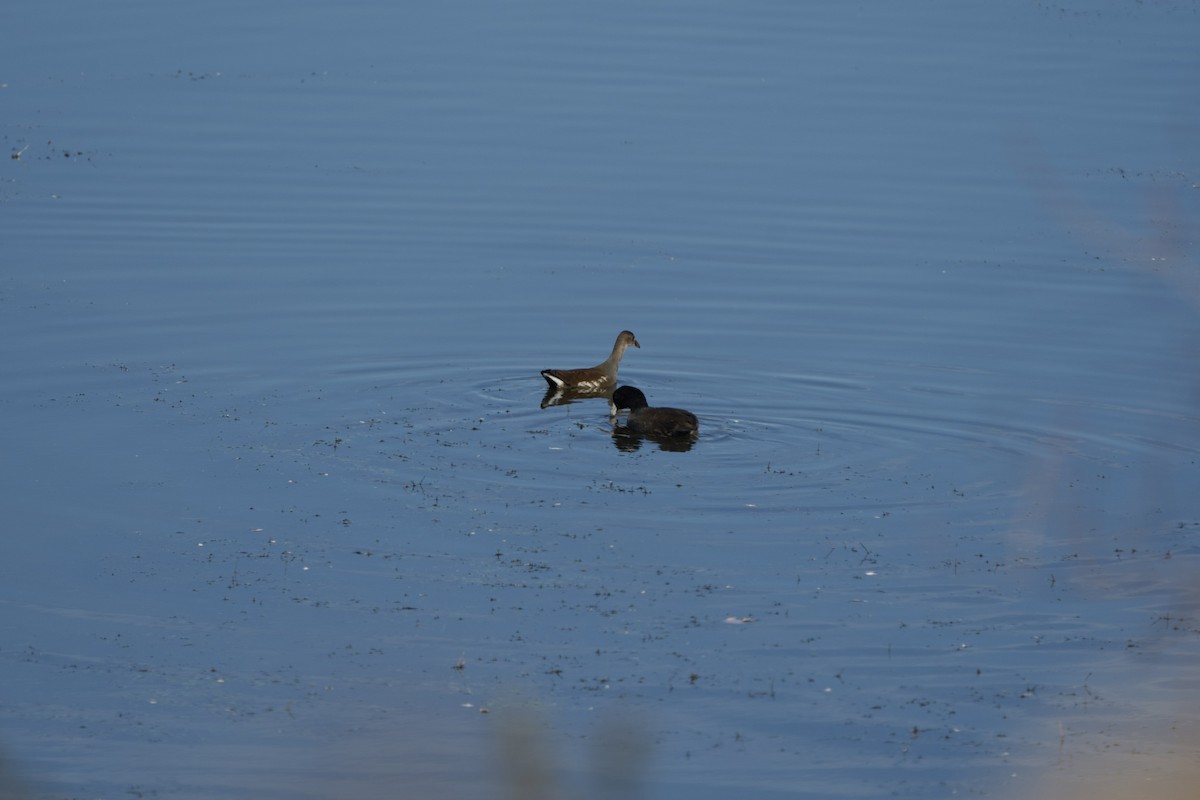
[(600, 378)]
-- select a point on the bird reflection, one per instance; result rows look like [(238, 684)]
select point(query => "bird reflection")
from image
[(629, 441), (564, 396)]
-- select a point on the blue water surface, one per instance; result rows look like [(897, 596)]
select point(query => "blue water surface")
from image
[(286, 516)]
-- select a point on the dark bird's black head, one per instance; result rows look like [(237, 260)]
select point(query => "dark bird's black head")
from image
[(629, 397)]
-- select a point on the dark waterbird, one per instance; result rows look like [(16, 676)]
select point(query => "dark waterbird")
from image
[(662, 421)]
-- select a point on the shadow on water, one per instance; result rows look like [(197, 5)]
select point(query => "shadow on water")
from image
[(565, 396), (630, 441)]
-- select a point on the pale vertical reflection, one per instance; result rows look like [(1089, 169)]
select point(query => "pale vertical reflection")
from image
[(534, 767), (1154, 753), (12, 785), (526, 760), (619, 761)]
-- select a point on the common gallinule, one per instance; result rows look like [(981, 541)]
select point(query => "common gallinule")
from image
[(599, 378)]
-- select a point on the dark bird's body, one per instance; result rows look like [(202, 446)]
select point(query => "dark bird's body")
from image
[(662, 421)]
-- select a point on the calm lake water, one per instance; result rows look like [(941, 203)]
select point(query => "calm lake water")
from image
[(285, 516)]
